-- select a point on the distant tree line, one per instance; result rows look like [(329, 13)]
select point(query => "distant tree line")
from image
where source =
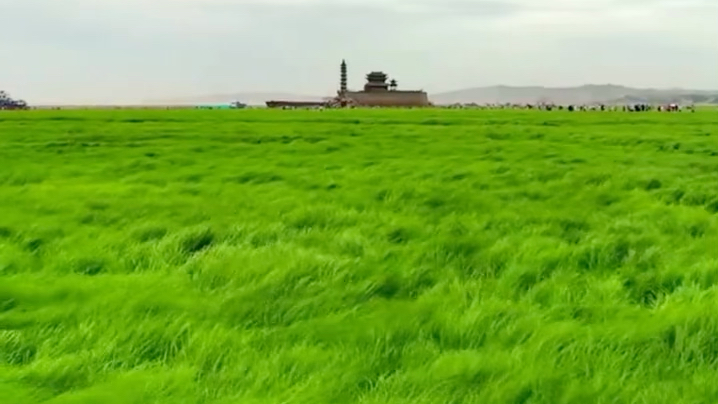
[(6, 102)]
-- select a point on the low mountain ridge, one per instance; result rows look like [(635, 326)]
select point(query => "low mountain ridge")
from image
[(586, 94)]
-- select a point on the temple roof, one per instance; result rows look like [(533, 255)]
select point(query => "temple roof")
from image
[(376, 77)]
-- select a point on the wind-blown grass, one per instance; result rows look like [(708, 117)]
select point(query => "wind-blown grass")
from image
[(357, 256)]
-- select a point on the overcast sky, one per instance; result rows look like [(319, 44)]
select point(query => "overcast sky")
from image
[(130, 50)]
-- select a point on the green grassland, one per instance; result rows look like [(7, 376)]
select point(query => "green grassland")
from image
[(358, 256)]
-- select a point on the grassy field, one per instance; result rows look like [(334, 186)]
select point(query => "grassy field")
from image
[(358, 257)]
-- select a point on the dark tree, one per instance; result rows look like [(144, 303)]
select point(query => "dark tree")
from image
[(8, 103)]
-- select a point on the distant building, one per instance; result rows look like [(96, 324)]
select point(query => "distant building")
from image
[(378, 93)]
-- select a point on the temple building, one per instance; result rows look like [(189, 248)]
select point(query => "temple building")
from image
[(378, 93)]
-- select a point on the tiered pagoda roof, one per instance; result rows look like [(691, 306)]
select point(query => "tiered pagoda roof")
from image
[(376, 81)]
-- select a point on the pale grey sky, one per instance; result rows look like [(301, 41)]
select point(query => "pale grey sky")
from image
[(129, 50)]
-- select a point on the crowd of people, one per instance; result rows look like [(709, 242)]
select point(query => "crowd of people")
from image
[(580, 107), (639, 107)]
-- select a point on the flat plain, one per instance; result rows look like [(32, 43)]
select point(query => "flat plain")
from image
[(358, 256)]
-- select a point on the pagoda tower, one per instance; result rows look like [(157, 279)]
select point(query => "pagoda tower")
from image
[(343, 78)]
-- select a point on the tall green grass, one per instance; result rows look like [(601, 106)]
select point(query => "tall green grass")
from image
[(357, 256)]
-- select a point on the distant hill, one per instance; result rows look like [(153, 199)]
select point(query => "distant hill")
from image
[(247, 98), (607, 94)]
